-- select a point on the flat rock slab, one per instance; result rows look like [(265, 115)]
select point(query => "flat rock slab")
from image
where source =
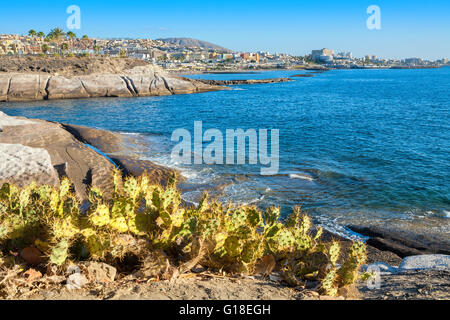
[(7, 121), (58, 149), (118, 146), (426, 262), (403, 243), (24, 165)]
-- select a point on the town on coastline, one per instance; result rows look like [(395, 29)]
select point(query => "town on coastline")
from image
[(190, 55)]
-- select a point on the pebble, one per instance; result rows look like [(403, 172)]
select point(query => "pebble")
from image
[(32, 256)]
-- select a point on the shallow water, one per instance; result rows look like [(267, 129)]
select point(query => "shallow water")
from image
[(356, 146)]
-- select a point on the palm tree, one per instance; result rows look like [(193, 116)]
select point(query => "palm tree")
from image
[(41, 34), (71, 35), (64, 48), (45, 48), (32, 33), (85, 37), (56, 34)]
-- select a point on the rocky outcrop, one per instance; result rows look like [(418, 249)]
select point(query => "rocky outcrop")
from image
[(307, 75), (238, 82), (138, 82), (24, 165), (43, 152), (119, 150), (403, 243)]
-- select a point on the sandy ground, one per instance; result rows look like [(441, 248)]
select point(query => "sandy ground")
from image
[(418, 285)]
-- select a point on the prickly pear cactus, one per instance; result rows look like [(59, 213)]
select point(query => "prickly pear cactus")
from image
[(328, 283), (101, 216), (357, 256), (60, 253)]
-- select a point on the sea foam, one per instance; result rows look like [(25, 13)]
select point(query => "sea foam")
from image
[(301, 176)]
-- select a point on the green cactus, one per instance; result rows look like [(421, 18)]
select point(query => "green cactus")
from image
[(60, 253), (357, 256), (328, 283), (143, 218), (334, 252)]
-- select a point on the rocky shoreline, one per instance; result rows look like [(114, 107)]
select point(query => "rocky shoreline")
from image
[(239, 82), (33, 79), (43, 151)]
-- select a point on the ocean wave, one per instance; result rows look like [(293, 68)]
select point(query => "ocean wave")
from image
[(301, 176), (130, 133)]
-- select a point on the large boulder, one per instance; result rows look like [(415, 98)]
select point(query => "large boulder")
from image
[(22, 165), (50, 145), (27, 87), (118, 147), (65, 88), (106, 85)]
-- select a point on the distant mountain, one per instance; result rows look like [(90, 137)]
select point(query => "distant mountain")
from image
[(189, 42)]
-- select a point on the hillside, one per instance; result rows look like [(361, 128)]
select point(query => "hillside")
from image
[(189, 42)]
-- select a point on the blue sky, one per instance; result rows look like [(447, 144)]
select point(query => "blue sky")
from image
[(410, 28)]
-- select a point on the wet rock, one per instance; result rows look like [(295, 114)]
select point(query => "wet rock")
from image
[(402, 243), (131, 166), (106, 141), (241, 82), (302, 75), (115, 146)]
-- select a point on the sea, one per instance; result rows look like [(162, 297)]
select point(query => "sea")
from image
[(356, 147)]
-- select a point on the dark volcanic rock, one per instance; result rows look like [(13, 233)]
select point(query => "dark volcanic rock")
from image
[(302, 75), (403, 243), (135, 167), (373, 254), (239, 82)]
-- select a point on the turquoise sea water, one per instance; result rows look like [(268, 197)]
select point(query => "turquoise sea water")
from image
[(356, 146)]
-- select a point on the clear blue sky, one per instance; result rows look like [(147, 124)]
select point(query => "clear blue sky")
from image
[(410, 28)]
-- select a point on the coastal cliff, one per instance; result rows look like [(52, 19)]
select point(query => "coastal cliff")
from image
[(31, 79)]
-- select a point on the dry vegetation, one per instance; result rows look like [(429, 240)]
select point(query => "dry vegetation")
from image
[(68, 66)]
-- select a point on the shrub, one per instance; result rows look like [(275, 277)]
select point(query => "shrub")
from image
[(143, 219)]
